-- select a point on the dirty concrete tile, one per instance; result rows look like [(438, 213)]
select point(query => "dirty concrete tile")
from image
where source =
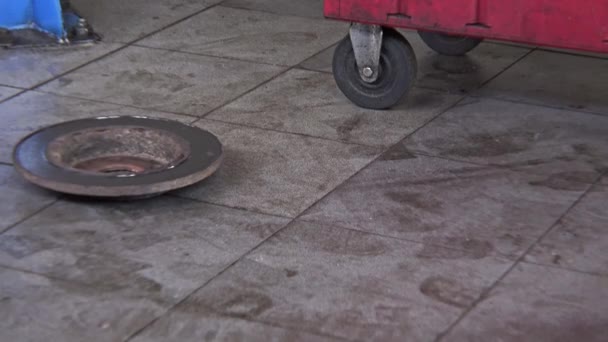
[(197, 326), (445, 73), (163, 80), (250, 35), (276, 173), (554, 79), (309, 103), (539, 304), (349, 284), (34, 308), (580, 241), (28, 67), (125, 21), (28, 112), (6, 92), (161, 248), (301, 8), (575, 53), (19, 199), (321, 62), (565, 144), (479, 209)]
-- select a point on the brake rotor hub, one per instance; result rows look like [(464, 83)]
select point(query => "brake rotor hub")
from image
[(118, 157)]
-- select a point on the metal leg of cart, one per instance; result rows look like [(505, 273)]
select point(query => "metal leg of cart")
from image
[(367, 44)]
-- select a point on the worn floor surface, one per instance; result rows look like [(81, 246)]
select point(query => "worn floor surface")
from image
[(477, 210)]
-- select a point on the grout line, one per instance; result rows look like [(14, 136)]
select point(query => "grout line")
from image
[(568, 269), (209, 55), (229, 101), (293, 133), (40, 210), (197, 117), (120, 48), (174, 195), (13, 96), (540, 105), (258, 86), (12, 86), (242, 257), (406, 240), (193, 116), (300, 67), (524, 170), (222, 271), (471, 94), (274, 13), (485, 293), (111, 52), (572, 53), (89, 62), (524, 56), (383, 152), (288, 69), (6, 164)]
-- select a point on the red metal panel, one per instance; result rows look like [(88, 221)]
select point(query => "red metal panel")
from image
[(332, 8), (558, 23), (563, 23), (428, 12), (600, 16)]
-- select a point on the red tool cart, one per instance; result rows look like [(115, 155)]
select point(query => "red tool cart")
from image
[(375, 66)]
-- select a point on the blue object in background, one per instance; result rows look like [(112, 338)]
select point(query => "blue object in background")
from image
[(43, 15)]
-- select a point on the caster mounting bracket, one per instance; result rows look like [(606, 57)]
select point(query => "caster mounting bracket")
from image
[(367, 44)]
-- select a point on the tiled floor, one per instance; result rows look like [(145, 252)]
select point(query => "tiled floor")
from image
[(474, 211)]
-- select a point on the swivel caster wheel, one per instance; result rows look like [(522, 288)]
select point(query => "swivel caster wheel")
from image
[(374, 67)]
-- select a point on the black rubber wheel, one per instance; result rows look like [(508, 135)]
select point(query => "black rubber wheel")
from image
[(397, 73), (449, 45)]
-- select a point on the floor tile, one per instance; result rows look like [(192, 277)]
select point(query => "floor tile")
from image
[(19, 199), (38, 309), (555, 79), (538, 304), (309, 103), (321, 62), (160, 249), (575, 53), (163, 80), (580, 241), (125, 21), (197, 326), (250, 35), (479, 209), (564, 144), (301, 8), (28, 67), (348, 284), (277, 173), (28, 112), (6, 92), (452, 74)]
